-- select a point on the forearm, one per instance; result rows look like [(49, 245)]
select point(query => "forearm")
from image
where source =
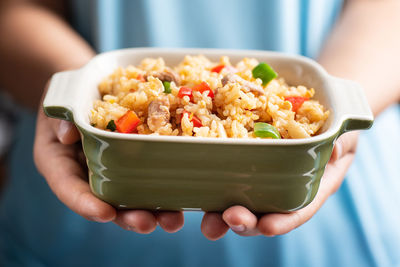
[(38, 43), (364, 47)]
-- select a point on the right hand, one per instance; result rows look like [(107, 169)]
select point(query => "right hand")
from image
[(60, 159), (245, 223)]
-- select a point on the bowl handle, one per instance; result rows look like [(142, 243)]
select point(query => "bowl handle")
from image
[(59, 100), (353, 107)]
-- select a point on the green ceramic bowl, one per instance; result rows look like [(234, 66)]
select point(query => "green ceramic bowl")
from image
[(210, 174)]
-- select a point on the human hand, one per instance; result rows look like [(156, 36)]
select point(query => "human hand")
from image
[(60, 159), (245, 223), (62, 163)]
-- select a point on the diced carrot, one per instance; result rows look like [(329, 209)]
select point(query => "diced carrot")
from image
[(128, 122), (140, 78)]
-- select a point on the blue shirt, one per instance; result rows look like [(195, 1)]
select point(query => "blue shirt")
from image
[(293, 26), (358, 226)]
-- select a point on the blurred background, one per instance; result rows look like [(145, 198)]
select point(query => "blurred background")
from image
[(356, 39)]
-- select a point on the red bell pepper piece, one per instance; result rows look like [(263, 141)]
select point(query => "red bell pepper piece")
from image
[(128, 122), (296, 101), (204, 87), (185, 91), (196, 121), (218, 68)]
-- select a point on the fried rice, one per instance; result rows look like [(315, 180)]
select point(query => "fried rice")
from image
[(202, 98)]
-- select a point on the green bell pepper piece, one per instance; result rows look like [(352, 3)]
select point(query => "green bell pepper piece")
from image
[(111, 126), (167, 87), (264, 72), (262, 129)]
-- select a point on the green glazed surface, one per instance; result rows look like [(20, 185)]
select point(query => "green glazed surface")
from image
[(210, 177), (174, 173)]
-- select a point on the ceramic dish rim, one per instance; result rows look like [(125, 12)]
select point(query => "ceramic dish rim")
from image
[(335, 129)]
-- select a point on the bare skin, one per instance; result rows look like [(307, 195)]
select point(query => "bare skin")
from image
[(345, 55)]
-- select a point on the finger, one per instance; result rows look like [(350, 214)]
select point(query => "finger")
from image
[(57, 163), (241, 221), (81, 158), (69, 186), (67, 182), (278, 224), (213, 226), (170, 221), (344, 144), (139, 221), (65, 131)]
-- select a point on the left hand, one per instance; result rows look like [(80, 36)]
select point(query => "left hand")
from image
[(62, 163), (243, 222)]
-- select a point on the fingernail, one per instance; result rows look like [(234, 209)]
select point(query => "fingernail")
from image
[(339, 151), (96, 219), (63, 129), (238, 228)]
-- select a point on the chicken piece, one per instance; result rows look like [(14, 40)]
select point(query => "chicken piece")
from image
[(165, 76), (158, 113), (246, 85)]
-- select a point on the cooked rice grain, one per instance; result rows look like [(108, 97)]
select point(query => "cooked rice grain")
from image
[(232, 112)]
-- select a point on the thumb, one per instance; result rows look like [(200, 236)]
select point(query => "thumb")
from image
[(346, 143), (65, 131)]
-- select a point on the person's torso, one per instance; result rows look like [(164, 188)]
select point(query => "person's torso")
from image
[(37, 230), (294, 26)]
